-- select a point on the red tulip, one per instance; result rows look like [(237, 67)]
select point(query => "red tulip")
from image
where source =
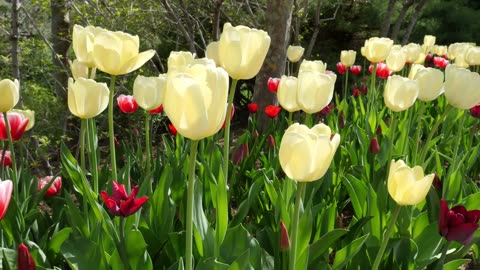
[(357, 92), (25, 260), (341, 68), (7, 160), (241, 153), (475, 111), (437, 183), (457, 224), (232, 112), (374, 146), (273, 84), (121, 204), (272, 111), (172, 129), (355, 69), (157, 110), (379, 130), (440, 62), (17, 123), (325, 111), (127, 104), (284, 238), (271, 141), (428, 57), (6, 189), (381, 70), (252, 107), (54, 188)]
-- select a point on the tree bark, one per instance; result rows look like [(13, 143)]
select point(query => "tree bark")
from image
[(401, 16), (315, 33), (413, 21), (14, 36), (216, 20), (388, 19), (277, 24), (60, 44)]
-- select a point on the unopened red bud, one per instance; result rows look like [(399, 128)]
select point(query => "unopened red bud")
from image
[(374, 146), (284, 238), (271, 141)]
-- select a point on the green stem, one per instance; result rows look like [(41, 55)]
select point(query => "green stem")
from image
[(111, 132), (12, 155), (190, 197), (392, 135), (83, 127), (442, 258), (308, 119), (147, 142), (123, 246), (378, 259), (430, 135), (93, 162), (296, 215), (419, 129), (346, 86), (453, 167), (290, 117)]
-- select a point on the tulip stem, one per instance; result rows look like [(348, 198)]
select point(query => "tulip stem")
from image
[(222, 210), (455, 156), (419, 129), (93, 156), (12, 155), (346, 86), (147, 142), (393, 129), (308, 120), (430, 135), (442, 258), (386, 237), (123, 247), (111, 131), (190, 200), (83, 126), (296, 215)]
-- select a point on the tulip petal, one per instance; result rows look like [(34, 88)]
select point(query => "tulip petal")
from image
[(295, 155), (6, 189), (106, 53), (462, 233), (137, 61)]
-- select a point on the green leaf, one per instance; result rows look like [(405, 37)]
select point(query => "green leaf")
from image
[(343, 256), (455, 264), (357, 190), (429, 245), (58, 238), (8, 258), (242, 262), (321, 246), (211, 263), (81, 253)]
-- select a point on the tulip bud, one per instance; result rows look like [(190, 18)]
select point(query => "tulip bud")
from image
[(429, 40), (379, 130), (273, 84), (341, 120), (6, 189), (374, 146), (469, 82), (400, 93), (148, 91), (242, 50), (377, 49), (412, 51), (284, 238), (305, 154), (87, 98), (317, 66), (252, 107), (437, 183), (272, 111), (355, 69), (408, 186), (10, 93), (440, 62), (240, 154), (271, 141), (294, 53), (475, 111), (54, 188), (341, 68), (347, 58), (287, 93), (25, 260), (5, 160), (127, 104)]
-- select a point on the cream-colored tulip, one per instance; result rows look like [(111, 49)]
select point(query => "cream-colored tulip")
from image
[(177, 60), (242, 50), (456, 49), (412, 50), (294, 53), (461, 61), (82, 43), (317, 66), (429, 40), (400, 93), (408, 186), (440, 50), (421, 59), (212, 52), (148, 91), (462, 87), (287, 93), (305, 154), (195, 99), (9, 93), (472, 56), (377, 49), (430, 83), (79, 70), (87, 98), (396, 59), (117, 53), (413, 70), (348, 57), (315, 90), (28, 114)]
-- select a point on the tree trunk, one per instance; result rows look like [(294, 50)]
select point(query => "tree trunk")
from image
[(14, 36), (60, 44), (216, 20), (401, 16), (413, 21), (278, 27), (388, 19), (315, 33)]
